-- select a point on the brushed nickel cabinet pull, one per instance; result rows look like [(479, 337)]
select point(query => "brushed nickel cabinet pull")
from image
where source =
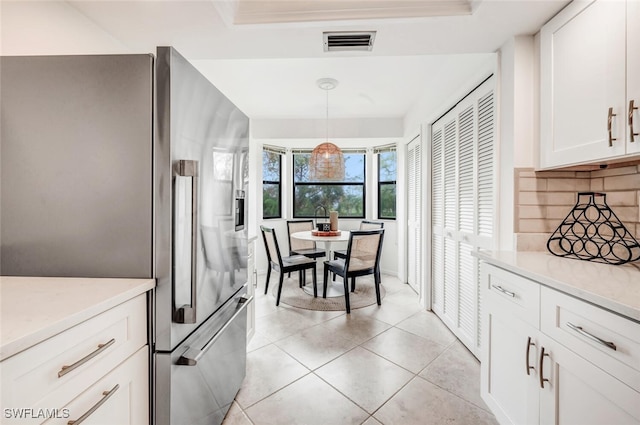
[(592, 337), (504, 291), (106, 395), (101, 347), (529, 344), (631, 109), (610, 125), (542, 378)]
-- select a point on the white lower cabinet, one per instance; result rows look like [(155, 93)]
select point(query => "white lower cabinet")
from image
[(121, 397), (578, 392), (549, 358), (510, 392), (96, 372)]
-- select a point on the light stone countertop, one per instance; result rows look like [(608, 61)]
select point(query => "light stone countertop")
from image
[(616, 288), (33, 309)]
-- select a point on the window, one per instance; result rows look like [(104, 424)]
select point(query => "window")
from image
[(271, 187), (387, 165), (347, 197)]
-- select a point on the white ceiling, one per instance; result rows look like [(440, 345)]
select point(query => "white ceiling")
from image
[(270, 69)]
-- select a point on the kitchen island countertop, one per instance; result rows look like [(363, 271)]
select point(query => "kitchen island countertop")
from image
[(616, 288), (33, 309)]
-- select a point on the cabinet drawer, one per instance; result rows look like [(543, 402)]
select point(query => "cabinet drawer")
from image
[(604, 338), (512, 293), (121, 397), (37, 376)]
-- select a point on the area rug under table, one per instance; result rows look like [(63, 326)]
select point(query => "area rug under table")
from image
[(293, 295)]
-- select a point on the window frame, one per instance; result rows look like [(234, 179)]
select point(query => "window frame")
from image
[(381, 183), (273, 182), (362, 184)]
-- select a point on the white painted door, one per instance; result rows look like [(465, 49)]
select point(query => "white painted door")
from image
[(414, 214), (462, 190), (582, 77)]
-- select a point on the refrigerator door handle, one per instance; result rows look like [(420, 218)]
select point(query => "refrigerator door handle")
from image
[(192, 355), (189, 168)]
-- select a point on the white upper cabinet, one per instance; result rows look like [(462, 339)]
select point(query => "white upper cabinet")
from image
[(633, 76), (589, 75)]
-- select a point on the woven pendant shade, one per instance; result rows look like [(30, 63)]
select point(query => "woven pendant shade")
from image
[(327, 160), (327, 163)]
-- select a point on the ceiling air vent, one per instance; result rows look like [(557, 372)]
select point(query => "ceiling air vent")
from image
[(348, 40)]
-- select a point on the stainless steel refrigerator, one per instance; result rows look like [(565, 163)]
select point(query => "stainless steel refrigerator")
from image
[(135, 166)]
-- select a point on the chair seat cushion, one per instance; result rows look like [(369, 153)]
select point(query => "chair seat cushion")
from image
[(296, 259), (354, 264), (337, 263), (311, 252)]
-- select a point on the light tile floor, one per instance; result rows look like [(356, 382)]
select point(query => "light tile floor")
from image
[(393, 364)]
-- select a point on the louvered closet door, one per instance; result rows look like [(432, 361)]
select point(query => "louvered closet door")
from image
[(414, 214), (462, 191)]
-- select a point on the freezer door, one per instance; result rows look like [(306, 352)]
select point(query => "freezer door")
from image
[(197, 383), (201, 259)]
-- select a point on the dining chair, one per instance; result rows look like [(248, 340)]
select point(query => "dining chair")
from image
[(342, 253), (363, 258), (364, 225), (299, 246), (283, 265)]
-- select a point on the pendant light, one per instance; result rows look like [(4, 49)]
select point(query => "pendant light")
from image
[(327, 160)]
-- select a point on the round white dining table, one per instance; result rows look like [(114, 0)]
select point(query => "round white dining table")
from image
[(334, 289)]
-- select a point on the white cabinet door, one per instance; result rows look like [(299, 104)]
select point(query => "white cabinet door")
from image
[(578, 392), (582, 77), (508, 368), (121, 397), (633, 76)]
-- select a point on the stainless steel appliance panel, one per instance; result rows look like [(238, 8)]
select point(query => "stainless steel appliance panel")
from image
[(76, 166), (197, 383), (200, 257)]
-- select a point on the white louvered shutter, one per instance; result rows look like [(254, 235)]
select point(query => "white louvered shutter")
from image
[(414, 194), (462, 189), (467, 281), (417, 234), (450, 222), (486, 188), (437, 218)]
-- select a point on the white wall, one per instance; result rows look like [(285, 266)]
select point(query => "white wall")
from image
[(45, 28), (517, 88)]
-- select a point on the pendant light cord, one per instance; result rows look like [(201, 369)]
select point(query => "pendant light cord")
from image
[(327, 123)]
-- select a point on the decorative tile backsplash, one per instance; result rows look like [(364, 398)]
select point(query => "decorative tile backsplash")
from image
[(544, 198)]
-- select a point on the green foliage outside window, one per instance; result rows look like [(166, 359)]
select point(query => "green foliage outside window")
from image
[(346, 197), (387, 174), (271, 188)]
